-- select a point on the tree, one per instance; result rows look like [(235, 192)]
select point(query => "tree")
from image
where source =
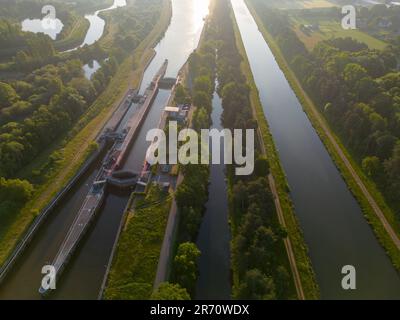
[(353, 73), (15, 190), (181, 96), (202, 99), (261, 167), (282, 281), (186, 266), (256, 286), (203, 83), (191, 220), (85, 88), (7, 95), (169, 291), (72, 102), (371, 166), (201, 119)]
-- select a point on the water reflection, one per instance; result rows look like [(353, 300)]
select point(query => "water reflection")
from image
[(334, 227), (90, 68), (97, 24), (42, 26)]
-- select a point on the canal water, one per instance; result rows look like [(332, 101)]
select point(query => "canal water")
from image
[(97, 24), (335, 230), (214, 236), (84, 275), (89, 69)]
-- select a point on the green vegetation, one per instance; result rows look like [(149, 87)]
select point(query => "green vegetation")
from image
[(192, 194), (58, 161), (355, 88), (135, 263), (314, 26), (298, 4), (308, 281), (185, 266), (168, 291), (259, 263)]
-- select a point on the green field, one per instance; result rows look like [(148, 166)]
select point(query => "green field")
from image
[(135, 263), (299, 4), (329, 29)]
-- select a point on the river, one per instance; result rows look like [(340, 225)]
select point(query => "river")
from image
[(97, 24), (94, 33), (214, 235), (84, 275), (334, 227)]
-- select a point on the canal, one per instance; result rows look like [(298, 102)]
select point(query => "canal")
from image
[(334, 227), (214, 235), (84, 275)]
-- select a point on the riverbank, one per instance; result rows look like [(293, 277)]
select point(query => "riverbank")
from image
[(306, 286), (378, 214), (75, 36), (76, 150)]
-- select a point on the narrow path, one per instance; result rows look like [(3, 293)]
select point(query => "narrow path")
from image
[(281, 218), (379, 213), (288, 244), (327, 131)]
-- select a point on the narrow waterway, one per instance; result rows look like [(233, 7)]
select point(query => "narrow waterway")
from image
[(335, 230), (214, 236), (90, 68), (93, 34), (97, 24), (84, 275)]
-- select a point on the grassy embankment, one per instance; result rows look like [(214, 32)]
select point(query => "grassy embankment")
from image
[(136, 259), (75, 151), (303, 261), (74, 36), (317, 120)]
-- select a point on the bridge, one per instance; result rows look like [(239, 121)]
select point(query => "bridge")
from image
[(107, 174)]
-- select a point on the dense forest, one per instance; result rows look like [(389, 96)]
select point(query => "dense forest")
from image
[(257, 260), (358, 91), (53, 95), (192, 193)]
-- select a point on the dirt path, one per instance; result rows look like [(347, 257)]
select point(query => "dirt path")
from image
[(379, 213), (281, 218)]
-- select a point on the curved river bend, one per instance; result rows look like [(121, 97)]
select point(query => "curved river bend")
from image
[(334, 227), (94, 33), (84, 275)]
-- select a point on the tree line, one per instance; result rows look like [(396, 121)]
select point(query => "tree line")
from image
[(259, 272), (52, 97), (358, 91)]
